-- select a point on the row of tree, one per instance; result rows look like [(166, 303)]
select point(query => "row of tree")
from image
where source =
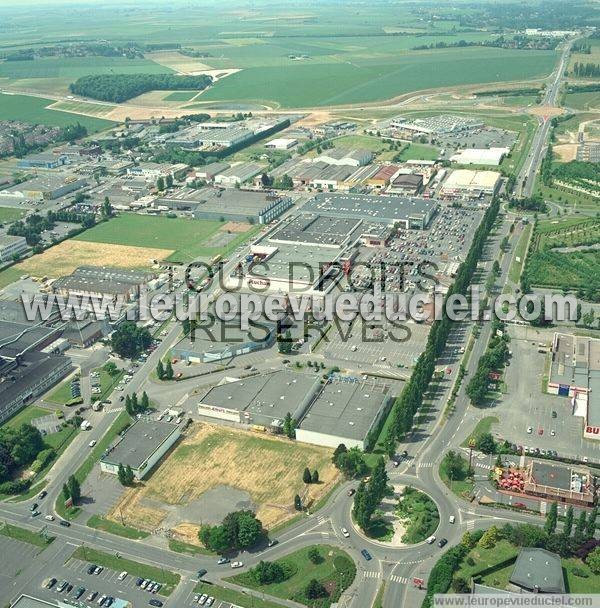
[(369, 495), (133, 406), (411, 398), (121, 87), (72, 490), (586, 70), (129, 340), (165, 371)]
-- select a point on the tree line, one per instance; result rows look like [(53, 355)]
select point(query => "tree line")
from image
[(121, 87), (586, 70), (410, 400), (369, 494)]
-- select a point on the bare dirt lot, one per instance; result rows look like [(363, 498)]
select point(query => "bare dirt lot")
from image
[(566, 152), (258, 469), (63, 258), (240, 227)]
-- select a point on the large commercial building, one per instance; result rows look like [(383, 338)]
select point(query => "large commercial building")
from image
[(11, 246), (46, 187), (344, 410), (144, 443), (575, 374), (98, 281), (560, 483), (480, 156), (465, 183), (238, 174), (43, 160), (343, 156)]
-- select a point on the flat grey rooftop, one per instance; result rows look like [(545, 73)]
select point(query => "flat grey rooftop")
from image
[(346, 409), (555, 476), (317, 229), (266, 397), (538, 569), (364, 206), (139, 442)]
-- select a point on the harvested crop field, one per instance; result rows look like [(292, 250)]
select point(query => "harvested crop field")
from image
[(213, 459), (63, 258)]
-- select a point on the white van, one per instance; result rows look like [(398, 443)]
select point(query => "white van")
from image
[(431, 540)]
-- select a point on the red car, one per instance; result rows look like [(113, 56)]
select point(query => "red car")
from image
[(540, 431)]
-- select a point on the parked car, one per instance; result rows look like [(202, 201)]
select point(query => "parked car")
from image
[(92, 596), (91, 569), (210, 601), (122, 575), (223, 560), (50, 583), (155, 602), (138, 582), (80, 591)]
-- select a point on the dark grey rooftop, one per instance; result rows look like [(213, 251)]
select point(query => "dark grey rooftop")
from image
[(538, 569), (347, 409), (139, 442), (553, 475), (311, 228), (16, 338)]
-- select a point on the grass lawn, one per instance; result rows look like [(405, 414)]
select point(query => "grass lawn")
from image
[(120, 423), (579, 584), (180, 547), (419, 152), (24, 535), (107, 383), (187, 238), (33, 109), (62, 393), (301, 570), (99, 110), (168, 579), (378, 603), (26, 415), (514, 272), (99, 523), (9, 275), (583, 101), (463, 486), (367, 142), (481, 428), (486, 558), (10, 214), (234, 597)]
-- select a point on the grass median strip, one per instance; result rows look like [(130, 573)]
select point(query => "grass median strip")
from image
[(24, 535), (169, 580), (180, 547), (100, 523)]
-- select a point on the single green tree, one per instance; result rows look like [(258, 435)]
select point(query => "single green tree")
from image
[(160, 370), (306, 476), (297, 503), (169, 370), (315, 477)]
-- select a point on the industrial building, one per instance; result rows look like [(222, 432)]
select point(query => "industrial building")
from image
[(46, 187), (407, 184), (11, 246), (480, 156), (210, 171), (343, 410), (238, 174), (575, 374), (43, 160), (468, 184), (281, 143), (142, 445), (409, 212), (343, 156), (99, 281), (435, 125), (215, 340), (153, 171), (228, 205)]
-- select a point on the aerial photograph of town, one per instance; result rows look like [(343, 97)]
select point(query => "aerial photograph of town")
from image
[(299, 303)]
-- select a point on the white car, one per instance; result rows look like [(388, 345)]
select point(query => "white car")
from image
[(452, 519), (202, 599), (49, 517), (530, 429), (92, 443), (123, 575), (237, 564), (431, 540), (345, 533)]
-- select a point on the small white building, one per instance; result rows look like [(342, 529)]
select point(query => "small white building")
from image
[(281, 143)]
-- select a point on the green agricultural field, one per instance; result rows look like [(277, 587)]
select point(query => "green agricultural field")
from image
[(33, 109), (583, 101), (187, 238), (367, 142), (181, 96), (363, 77), (84, 107)]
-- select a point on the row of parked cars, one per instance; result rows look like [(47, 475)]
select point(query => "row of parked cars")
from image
[(66, 587), (204, 600)]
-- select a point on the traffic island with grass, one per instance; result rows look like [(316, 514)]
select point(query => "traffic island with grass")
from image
[(419, 515), (454, 472), (168, 580), (27, 536), (315, 576)]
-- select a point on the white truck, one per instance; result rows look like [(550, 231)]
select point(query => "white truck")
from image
[(86, 425)]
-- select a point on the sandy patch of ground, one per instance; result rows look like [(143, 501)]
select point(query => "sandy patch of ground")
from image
[(315, 118), (566, 152), (267, 468), (548, 111), (120, 113), (235, 227), (63, 258)]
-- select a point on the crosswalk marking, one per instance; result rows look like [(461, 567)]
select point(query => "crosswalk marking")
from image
[(399, 579), (425, 465), (471, 524), (372, 574)]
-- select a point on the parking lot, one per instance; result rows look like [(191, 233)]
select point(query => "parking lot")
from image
[(14, 557), (526, 407), (106, 583), (194, 598)]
